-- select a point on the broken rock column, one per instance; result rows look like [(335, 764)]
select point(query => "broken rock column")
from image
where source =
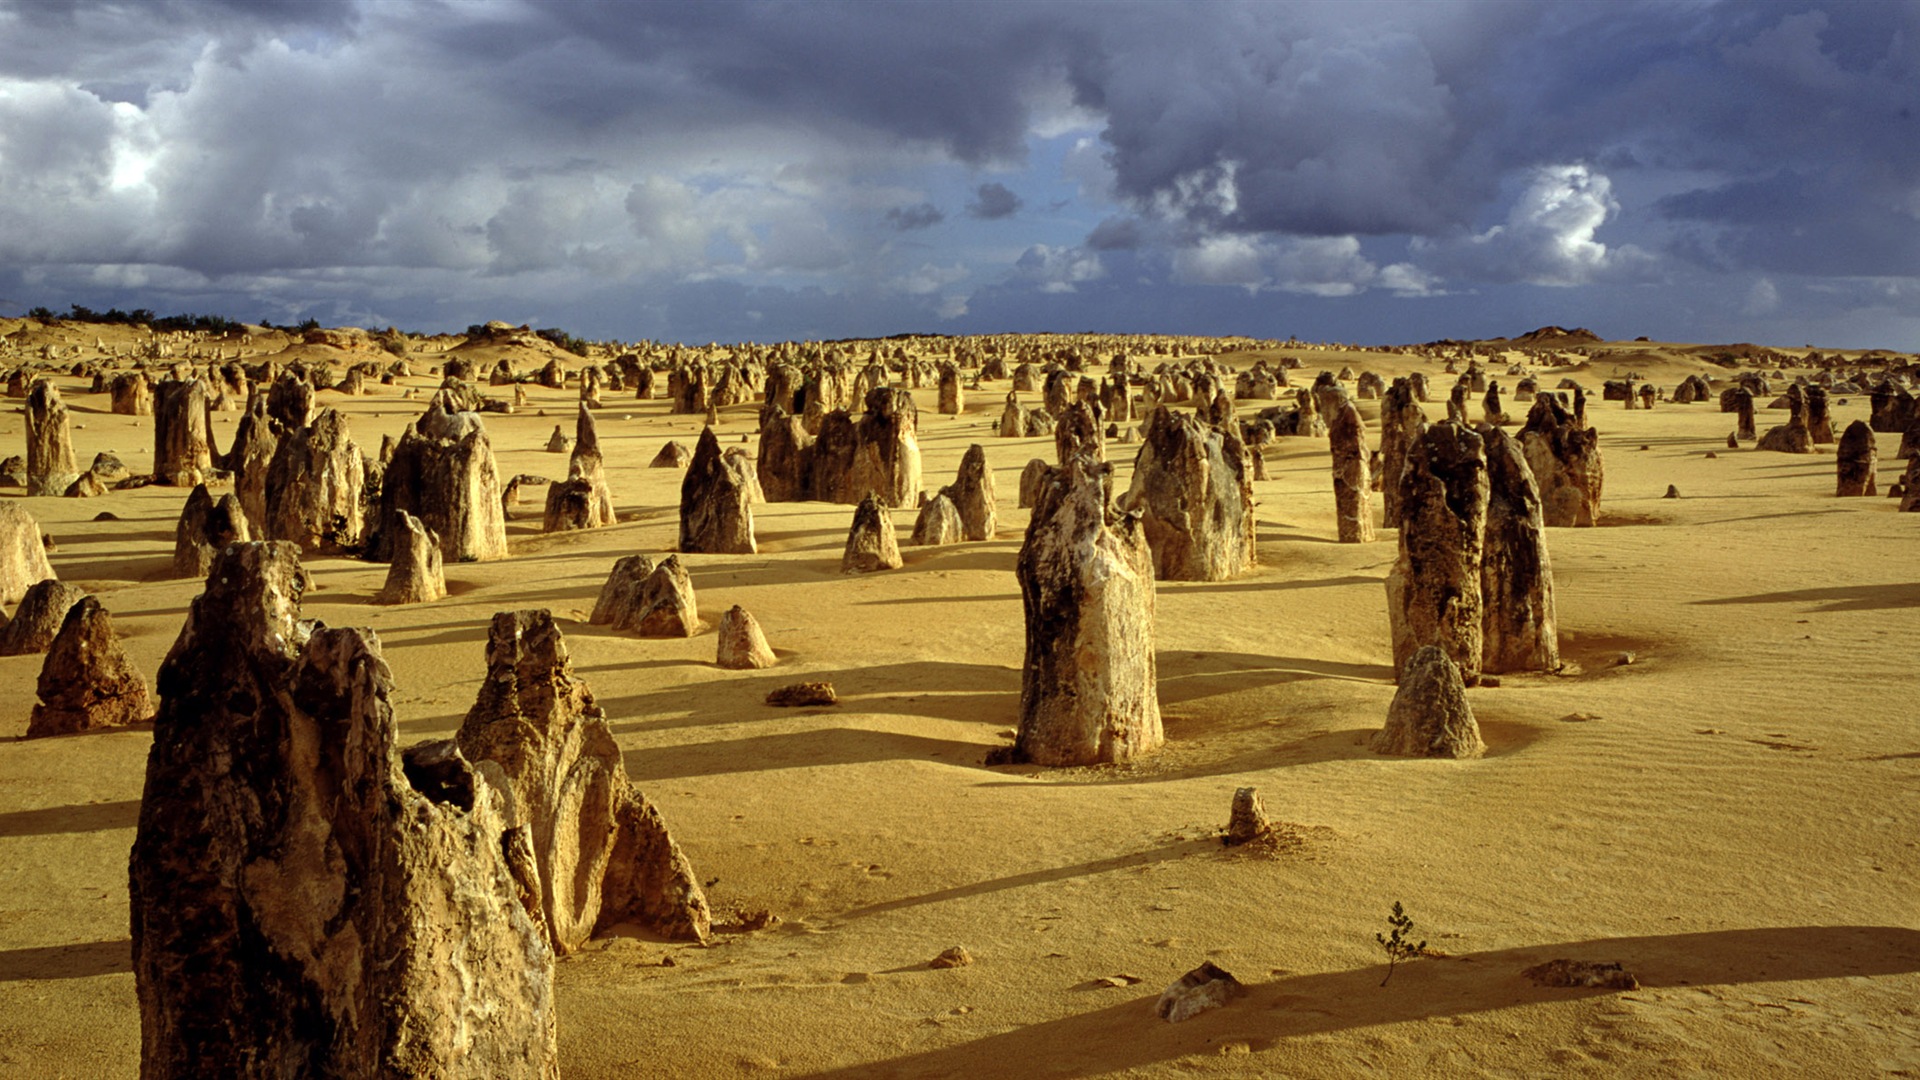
[(716, 511), (416, 574), (1195, 499), (181, 453), (1516, 575), (306, 900), (314, 486), (1566, 464), (1856, 460), (50, 466), (1352, 481), (1087, 692), (539, 727), (1402, 423), (1434, 590), (443, 473)]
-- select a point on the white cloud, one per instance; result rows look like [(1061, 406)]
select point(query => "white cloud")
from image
[(1059, 270)]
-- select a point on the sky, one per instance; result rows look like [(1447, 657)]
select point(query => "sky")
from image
[(1372, 172)]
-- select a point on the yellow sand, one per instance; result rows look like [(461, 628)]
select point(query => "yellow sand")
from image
[(1733, 816)]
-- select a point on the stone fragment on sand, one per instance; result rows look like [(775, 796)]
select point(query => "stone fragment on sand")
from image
[(416, 575), (1088, 694), (951, 958), (1031, 478), (664, 605), (375, 901), (539, 726), (38, 619), (1581, 973), (797, 695), (621, 591), (871, 544), (1430, 716), (1248, 821), (559, 442), (86, 682), (742, 646), (1205, 987)]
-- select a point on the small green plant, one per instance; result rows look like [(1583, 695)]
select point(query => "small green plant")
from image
[(1399, 945)]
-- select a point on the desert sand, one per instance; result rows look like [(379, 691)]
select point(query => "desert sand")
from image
[(1731, 816)]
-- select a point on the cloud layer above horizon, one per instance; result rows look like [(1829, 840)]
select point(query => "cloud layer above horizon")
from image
[(1385, 172)]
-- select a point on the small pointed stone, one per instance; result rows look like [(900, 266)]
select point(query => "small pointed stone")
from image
[(1430, 716), (871, 544), (87, 682), (741, 644)]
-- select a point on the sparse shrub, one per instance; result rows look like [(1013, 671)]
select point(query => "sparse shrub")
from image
[(1398, 945)]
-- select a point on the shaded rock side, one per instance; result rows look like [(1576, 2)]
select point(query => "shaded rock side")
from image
[(314, 487), (50, 465), (443, 472), (1194, 496), (205, 528), (1088, 691), (871, 544), (416, 574), (1433, 590), (87, 683), (742, 646), (23, 555), (1855, 461), (39, 617), (716, 511), (1352, 479), (1565, 458), (307, 901), (1430, 716), (1516, 574), (181, 452), (938, 523)]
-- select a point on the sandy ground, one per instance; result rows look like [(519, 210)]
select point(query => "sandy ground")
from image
[(1732, 816)]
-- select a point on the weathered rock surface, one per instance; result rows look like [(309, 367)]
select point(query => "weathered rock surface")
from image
[(181, 452), (205, 528), (1352, 480), (37, 620), (1087, 691), (87, 682), (1402, 423), (314, 487), (1565, 458), (1433, 590), (131, 394), (621, 591), (871, 544), (1516, 575), (742, 646), (1430, 716), (23, 555), (443, 473), (938, 523), (307, 901), (1194, 496), (716, 502), (50, 465), (664, 604), (802, 694), (887, 459), (1205, 987), (1570, 974), (416, 574), (1856, 460), (540, 728), (1248, 821), (671, 456)]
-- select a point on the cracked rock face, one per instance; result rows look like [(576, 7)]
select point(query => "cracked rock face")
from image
[(39, 617), (443, 473), (1430, 716), (1564, 455), (1434, 588), (1087, 693), (23, 556), (87, 683), (307, 900), (50, 465), (1193, 492), (716, 502), (1516, 574), (537, 725)]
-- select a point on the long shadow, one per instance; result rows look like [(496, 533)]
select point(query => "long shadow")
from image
[(1258, 585), (946, 557), (802, 749), (1163, 853), (985, 693), (1837, 598), (1126, 1035), (81, 961), (83, 817), (1009, 597)]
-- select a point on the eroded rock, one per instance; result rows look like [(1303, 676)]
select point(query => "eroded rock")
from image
[(1430, 716), (1516, 575), (1194, 496), (87, 682), (206, 527), (716, 496), (742, 646), (1434, 588), (871, 544), (415, 575), (37, 620)]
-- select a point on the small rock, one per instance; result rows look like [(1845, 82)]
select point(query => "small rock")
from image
[(1672, 492), (1626, 658), (952, 958), (741, 644), (1581, 973), (1712, 455), (803, 693), (1249, 820), (671, 456), (1205, 987), (1578, 718), (106, 515)]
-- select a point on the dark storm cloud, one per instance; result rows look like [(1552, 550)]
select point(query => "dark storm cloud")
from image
[(918, 216), (993, 201)]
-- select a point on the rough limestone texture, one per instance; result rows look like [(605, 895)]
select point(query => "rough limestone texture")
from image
[(1402, 423), (443, 473), (1077, 433), (539, 727), (1430, 716), (1031, 478), (871, 544), (254, 444), (1352, 480), (742, 646), (36, 622), (716, 502), (1856, 460), (1516, 574), (416, 574), (23, 555), (938, 523), (205, 528), (131, 394), (780, 461), (671, 456), (663, 605), (1565, 458), (973, 495), (314, 487), (1433, 590), (621, 591), (887, 454), (1248, 822), (307, 901), (587, 465), (181, 453), (1087, 691), (50, 465), (87, 682), (1208, 986), (1193, 492)]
